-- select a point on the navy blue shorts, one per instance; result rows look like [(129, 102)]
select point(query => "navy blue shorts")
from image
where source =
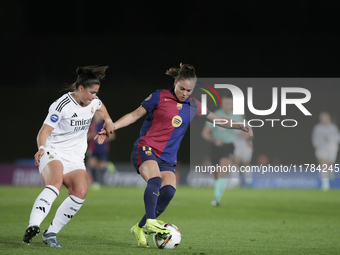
[(218, 152), (139, 155), (101, 156)]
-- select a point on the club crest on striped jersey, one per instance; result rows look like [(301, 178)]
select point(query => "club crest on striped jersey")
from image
[(148, 153), (176, 121), (179, 106)]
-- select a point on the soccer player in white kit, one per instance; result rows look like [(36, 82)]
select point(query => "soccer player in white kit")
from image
[(62, 143), (325, 139)]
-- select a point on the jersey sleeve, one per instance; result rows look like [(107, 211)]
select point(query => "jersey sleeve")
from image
[(199, 113), (99, 103), (54, 115), (151, 101)]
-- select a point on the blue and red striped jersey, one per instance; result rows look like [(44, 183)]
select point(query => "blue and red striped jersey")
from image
[(167, 122)]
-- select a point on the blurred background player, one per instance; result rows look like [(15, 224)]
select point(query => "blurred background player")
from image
[(154, 155), (325, 139), (62, 143), (97, 154), (222, 146), (242, 156)]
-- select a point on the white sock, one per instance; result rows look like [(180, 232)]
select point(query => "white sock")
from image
[(324, 180), (325, 183), (43, 204), (65, 212)]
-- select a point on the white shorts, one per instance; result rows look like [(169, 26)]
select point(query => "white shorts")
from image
[(328, 154), (52, 154), (244, 152)]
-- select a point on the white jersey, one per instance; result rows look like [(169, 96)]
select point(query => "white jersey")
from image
[(242, 149), (326, 139), (71, 123), (325, 136)]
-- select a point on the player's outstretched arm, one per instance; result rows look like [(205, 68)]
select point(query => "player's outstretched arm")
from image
[(229, 123), (124, 121), (108, 124), (130, 118), (43, 134)]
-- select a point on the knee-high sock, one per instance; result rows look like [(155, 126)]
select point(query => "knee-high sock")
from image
[(94, 173), (166, 193), (325, 180), (220, 185), (151, 196), (43, 204), (65, 212)]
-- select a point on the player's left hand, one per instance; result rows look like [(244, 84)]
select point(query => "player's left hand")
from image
[(101, 136)]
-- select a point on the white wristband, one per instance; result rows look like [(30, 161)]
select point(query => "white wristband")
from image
[(41, 147)]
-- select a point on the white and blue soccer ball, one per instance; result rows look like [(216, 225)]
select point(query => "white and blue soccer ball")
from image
[(168, 241)]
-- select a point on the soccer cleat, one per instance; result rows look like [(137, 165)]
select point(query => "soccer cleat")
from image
[(160, 222), (215, 203), (140, 236), (152, 226), (51, 239), (31, 232)]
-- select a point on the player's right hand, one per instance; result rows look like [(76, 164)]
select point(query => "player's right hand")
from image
[(38, 156)]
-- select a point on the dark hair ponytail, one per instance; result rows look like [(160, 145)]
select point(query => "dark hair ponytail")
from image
[(185, 71), (88, 76)]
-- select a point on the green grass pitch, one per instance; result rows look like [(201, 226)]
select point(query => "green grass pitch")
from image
[(247, 222)]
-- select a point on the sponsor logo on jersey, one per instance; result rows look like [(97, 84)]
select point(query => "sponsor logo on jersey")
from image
[(176, 121), (179, 106), (81, 122), (74, 115), (148, 98), (54, 118)]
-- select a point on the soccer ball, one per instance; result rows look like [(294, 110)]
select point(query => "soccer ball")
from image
[(169, 241)]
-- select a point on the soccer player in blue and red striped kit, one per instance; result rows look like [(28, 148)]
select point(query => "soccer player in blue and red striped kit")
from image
[(155, 151)]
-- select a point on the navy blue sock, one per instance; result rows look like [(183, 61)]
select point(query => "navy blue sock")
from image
[(151, 196), (94, 174), (166, 193)]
